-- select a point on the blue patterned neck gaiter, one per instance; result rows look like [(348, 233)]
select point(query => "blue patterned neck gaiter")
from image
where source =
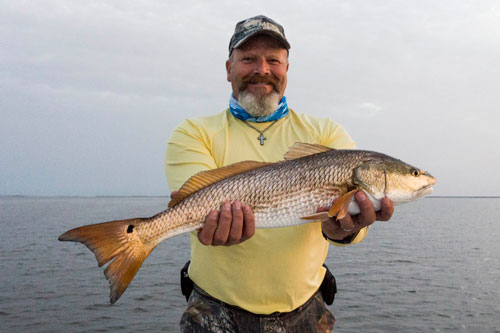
[(238, 112)]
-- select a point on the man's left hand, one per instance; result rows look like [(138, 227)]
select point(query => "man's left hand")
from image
[(349, 225)]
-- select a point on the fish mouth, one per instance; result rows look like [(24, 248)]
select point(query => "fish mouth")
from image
[(426, 190)]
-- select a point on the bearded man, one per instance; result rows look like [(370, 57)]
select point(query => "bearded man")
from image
[(270, 280)]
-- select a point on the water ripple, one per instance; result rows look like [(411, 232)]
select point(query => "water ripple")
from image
[(398, 275)]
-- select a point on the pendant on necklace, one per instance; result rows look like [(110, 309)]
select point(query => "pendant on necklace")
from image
[(261, 138)]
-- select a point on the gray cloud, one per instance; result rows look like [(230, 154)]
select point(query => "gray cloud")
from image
[(90, 91)]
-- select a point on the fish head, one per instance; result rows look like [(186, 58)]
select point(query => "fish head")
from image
[(394, 179)]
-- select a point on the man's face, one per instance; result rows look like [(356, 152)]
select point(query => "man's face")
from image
[(258, 67)]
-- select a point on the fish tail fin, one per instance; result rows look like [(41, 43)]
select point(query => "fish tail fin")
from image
[(118, 240)]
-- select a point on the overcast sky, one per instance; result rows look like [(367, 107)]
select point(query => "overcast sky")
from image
[(91, 90)]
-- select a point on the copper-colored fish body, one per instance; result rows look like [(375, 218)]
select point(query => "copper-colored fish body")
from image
[(280, 194)]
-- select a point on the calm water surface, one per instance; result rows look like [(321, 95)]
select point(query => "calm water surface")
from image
[(434, 267)]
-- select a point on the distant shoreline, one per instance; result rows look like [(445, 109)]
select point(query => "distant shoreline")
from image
[(84, 196), (464, 196), (168, 196)]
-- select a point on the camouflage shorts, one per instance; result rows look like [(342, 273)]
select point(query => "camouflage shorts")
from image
[(206, 314)]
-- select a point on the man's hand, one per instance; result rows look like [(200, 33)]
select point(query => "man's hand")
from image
[(232, 224), (349, 225)]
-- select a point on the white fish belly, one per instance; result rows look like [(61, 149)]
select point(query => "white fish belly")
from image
[(353, 207), (289, 211)]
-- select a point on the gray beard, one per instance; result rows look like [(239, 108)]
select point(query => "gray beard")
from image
[(259, 105)]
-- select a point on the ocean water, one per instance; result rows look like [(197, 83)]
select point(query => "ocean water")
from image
[(434, 267)]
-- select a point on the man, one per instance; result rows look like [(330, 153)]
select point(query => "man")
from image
[(264, 279)]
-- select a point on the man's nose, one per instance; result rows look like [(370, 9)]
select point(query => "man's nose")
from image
[(261, 67)]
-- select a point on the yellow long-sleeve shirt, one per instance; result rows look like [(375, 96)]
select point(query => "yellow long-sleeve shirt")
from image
[(277, 269)]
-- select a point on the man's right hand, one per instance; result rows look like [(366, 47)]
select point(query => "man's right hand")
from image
[(232, 224)]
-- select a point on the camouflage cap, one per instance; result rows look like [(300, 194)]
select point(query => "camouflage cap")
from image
[(257, 25)]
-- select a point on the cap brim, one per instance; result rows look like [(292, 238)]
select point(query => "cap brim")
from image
[(277, 36)]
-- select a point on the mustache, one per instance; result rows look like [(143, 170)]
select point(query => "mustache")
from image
[(256, 79)]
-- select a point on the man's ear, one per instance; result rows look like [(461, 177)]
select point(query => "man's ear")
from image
[(228, 70)]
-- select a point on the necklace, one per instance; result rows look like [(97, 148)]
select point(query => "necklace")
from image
[(261, 137)]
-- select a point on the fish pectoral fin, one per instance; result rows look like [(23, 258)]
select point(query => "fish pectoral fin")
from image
[(323, 216), (300, 149), (339, 208), (117, 241)]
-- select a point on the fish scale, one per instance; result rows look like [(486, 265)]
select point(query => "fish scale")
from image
[(281, 194), (275, 203)]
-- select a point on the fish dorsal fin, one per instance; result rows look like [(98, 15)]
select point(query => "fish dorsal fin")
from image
[(300, 149), (205, 178)]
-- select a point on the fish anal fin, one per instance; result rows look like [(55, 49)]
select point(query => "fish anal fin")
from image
[(209, 177), (339, 208), (322, 216), (118, 241), (300, 149)]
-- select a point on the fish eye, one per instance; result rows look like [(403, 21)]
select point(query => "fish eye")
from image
[(415, 172)]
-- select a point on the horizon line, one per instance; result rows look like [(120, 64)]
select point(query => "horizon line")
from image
[(168, 195)]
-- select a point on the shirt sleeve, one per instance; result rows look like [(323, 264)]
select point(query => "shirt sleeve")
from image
[(189, 151), (354, 240), (336, 136)]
